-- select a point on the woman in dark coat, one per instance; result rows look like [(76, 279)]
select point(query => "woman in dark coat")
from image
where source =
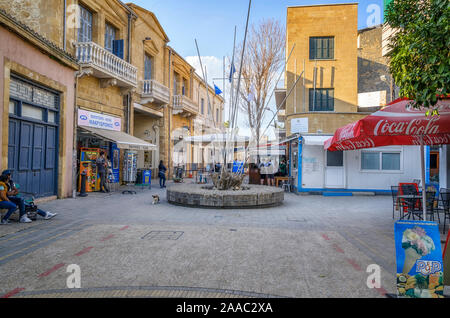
[(162, 174)]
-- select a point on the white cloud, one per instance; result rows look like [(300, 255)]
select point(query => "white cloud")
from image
[(214, 68)]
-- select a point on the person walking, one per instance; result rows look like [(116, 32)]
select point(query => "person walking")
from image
[(102, 166), (262, 172), (270, 173), (162, 174)]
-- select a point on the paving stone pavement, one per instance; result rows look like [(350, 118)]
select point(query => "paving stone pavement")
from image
[(311, 246)]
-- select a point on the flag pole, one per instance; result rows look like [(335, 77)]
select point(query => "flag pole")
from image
[(242, 63), (232, 79)]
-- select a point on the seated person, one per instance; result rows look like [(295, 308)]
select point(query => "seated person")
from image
[(4, 201), (12, 193)]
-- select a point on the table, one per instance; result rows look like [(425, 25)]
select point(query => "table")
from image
[(278, 179), (409, 196)]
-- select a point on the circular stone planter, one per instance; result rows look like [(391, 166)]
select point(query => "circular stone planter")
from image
[(204, 196)]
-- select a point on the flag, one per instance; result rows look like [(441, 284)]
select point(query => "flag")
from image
[(217, 90), (232, 71), (251, 94)]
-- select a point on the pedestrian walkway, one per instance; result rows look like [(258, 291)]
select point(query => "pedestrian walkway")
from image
[(311, 246)]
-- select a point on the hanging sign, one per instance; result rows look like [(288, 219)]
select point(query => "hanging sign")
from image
[(420, 271), (97, 120)]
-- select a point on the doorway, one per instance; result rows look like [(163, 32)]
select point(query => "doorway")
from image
[(334, 170)]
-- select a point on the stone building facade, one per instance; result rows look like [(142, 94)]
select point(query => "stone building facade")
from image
[(122, 69), (325, 97), (37, 90), (374, 79)]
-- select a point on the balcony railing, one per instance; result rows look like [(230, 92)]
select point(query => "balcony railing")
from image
[(105, 64), (154, 91), (184, 104)]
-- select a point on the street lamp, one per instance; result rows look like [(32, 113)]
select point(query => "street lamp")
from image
[(274, 114)]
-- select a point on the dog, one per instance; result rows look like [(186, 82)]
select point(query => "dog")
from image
[(155, 198)]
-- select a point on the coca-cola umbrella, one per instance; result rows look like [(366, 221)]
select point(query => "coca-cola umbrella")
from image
[(396, 124)]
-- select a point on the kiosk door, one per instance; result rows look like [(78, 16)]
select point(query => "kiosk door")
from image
[(334, 170)]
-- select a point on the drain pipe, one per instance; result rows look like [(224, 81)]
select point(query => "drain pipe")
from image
[(169, 106), (78, 75), (64, 25)]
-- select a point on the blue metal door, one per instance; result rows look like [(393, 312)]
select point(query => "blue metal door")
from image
[(32, 156), (33, 136)]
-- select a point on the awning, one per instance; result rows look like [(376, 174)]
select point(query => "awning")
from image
[(290, 138), (315, 140), (123, 140)]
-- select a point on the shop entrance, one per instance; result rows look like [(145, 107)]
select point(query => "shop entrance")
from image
[(32, 140), (334, 170)]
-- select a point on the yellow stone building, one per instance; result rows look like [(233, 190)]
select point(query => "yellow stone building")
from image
[(325, 57), (152, 96), (133, 91), (37, 90)]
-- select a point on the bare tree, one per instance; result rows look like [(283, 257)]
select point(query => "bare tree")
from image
[(263, 57)]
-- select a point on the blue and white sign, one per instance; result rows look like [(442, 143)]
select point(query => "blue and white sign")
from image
[(97, 120)]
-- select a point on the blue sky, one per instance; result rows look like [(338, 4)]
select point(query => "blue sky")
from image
[(212, 22)]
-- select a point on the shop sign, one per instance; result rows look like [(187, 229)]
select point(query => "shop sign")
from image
[(420, 271), (97, 120), (299, 125)]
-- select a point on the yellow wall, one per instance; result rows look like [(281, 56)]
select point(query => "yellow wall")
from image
[(340, 73)]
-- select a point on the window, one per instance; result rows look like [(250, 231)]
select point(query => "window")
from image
[(321, 99), (378, 160), (434, 159), (202, 106), (85, 30), (110, 36), (32, 112), (217, 115), (175, 84), (51, 118), (321, 48), (335, 158), (183, 88), (12, 107), (148, 67)]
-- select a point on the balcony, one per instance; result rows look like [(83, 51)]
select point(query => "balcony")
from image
[(154, 92), (105, 65), (281, 115), (184, 106)]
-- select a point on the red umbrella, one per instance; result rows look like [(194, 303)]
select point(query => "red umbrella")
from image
[(396, 124)]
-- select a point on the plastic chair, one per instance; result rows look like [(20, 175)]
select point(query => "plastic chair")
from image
[(287, 185), (430, 197)]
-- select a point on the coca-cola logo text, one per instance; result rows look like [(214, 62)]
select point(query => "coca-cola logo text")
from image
[(353, 145), (424, 126)]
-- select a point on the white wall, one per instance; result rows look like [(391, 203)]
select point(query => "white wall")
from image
[(383, 180), (313, 169), (313, 166)]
